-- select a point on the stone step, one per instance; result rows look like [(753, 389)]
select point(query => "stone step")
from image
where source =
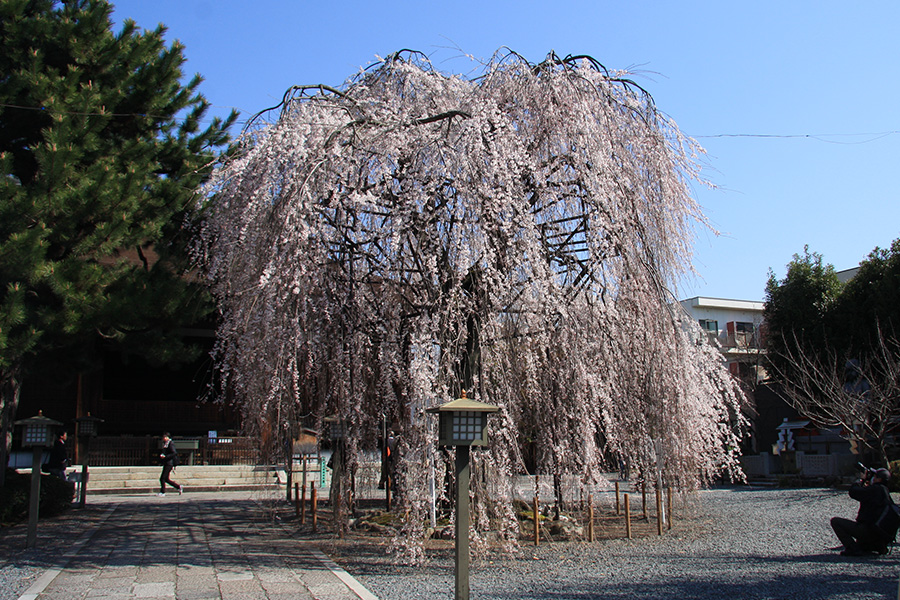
[(200, 478), (98, 484), (148, 470), (183, 472), (150, 489), (125, 480)]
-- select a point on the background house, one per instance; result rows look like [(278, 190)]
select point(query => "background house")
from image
[(735, 326)]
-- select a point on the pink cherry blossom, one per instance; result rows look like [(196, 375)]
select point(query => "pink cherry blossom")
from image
[(519, 233)]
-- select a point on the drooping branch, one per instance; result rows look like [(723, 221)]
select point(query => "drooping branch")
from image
[(444, 115)]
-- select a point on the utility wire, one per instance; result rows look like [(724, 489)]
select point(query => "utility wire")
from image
[(873, 136), (821, 137)]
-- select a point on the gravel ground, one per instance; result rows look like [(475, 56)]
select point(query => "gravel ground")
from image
[(741, 543)]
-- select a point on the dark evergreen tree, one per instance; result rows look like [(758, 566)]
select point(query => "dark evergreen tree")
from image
[(834, 350), (868, 307), (797, 307), (101, 148)]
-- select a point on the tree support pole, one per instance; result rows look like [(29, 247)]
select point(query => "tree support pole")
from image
[(303, 503), (659, 514), (315, 502), (669, 503), (590, 511), (387, 492), (627, 518), (644, 499)]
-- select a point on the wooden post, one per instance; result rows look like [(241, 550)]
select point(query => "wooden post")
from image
[(303, 466), (288, 470), (627, 518), (314, 502), (84, 481), (590, 511), (82, 500), (337, 486), (618, 510), (669, 502), (303, 504), (79, 452), (659, 515), (297, 500), (537, 523), (644, 499), (387, 492)]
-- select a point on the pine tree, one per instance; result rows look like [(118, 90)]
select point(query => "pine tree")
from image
[(101, 149)]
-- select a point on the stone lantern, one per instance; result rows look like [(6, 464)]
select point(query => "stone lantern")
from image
[(463, 424), (38, 433)]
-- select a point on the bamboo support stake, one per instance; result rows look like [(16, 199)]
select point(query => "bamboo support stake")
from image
[(627, 518), (669, 503), (659, 515), (618, 510), (644, 499), (590, 511), (302, 504), (537, 522), (313, 504)]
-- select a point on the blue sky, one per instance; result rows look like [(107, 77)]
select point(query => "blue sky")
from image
[(796, 102)]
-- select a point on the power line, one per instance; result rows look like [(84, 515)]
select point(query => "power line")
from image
[(821, 137)]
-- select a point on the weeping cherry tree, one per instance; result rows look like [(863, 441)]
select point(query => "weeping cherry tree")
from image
[(377, 248)]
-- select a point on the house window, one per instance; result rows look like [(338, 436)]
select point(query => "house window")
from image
[(740, 327), (710, 325)]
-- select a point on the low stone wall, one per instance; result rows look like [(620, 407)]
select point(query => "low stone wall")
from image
[(798, 463)]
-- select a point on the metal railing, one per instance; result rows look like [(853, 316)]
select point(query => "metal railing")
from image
[(742, 340), (126, 451)]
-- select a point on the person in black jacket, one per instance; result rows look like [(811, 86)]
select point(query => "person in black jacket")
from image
[(59, 458), (169, 458), (862, 536)]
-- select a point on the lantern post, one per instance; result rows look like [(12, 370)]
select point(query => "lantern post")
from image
[(37, 434), (85, 428), (463, 424)]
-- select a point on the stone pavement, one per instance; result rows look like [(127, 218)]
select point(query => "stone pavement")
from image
[(192, 547)]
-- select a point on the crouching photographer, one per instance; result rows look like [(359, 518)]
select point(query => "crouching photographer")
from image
[(869, 533)]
